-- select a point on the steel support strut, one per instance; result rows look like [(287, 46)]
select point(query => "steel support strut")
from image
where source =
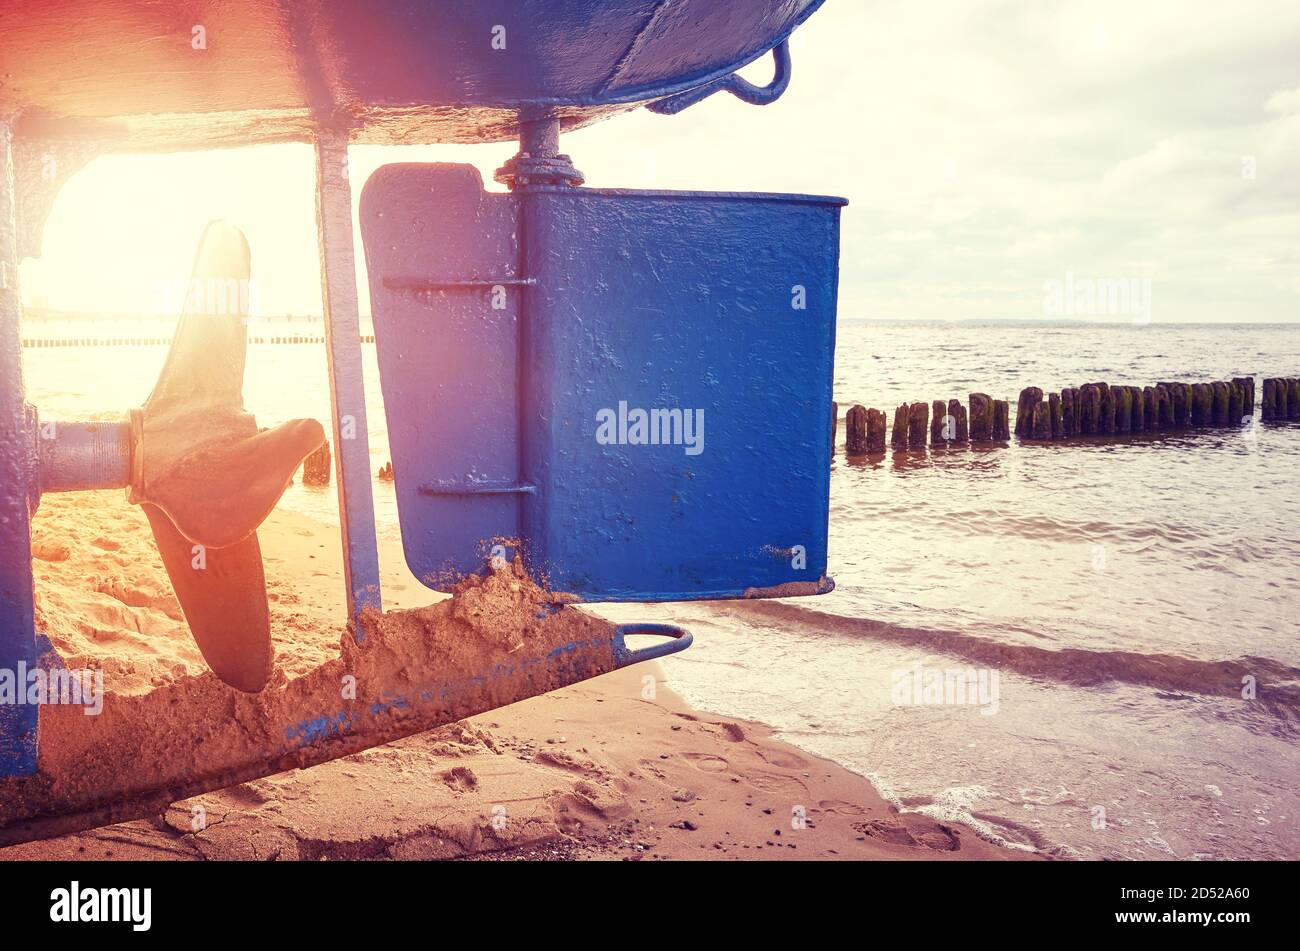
[(347, 381), (17, 491)]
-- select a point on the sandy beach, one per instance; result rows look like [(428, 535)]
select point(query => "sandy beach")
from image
[(616, 767)]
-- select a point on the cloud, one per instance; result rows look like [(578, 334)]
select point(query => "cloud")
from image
[(1022, 140), (986, 146)]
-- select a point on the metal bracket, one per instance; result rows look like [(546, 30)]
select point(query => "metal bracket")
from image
[(424, 285), (483, 488), (539, 161)]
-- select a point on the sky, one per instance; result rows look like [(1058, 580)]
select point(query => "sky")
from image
[(994, 153)]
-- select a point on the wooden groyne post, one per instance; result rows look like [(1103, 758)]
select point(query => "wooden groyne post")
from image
[(1123, 409), (1040, 421), (1030, 397), (948, 423), (981, 418), (1220, 390), (875, 432), (1247, 384), (1001, 421), (960, 432), (1202, 404), (918, 425), (1106, 416), (864, 431), (1281, 399), (1070, 411), (1089, 409), (902, 414), (956, 407), (855, 431)]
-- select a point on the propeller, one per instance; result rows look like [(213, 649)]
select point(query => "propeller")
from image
[(205, 475)]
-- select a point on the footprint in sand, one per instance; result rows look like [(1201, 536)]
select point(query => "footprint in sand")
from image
[(101, 635), (915, 832), (50, 551), (132, 595), (460, 779), (841, 808), (782, 759), (734, 733), (774, 782), (107, 544), (707, 762), (248, 794), (652, 767), (565, 760)]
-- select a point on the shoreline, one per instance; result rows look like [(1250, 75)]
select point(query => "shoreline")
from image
[(617, 767)]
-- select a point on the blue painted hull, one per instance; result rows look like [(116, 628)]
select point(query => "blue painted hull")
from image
[(388, 70)]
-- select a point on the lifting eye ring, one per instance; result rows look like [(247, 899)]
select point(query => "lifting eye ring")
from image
[(742, 89), (625, 656)]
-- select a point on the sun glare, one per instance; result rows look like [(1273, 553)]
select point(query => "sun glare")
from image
[(119, 243)]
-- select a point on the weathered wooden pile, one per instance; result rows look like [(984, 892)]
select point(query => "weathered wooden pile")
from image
[(1093, 409), (1103, 409), (915, 425), (1281, 399)]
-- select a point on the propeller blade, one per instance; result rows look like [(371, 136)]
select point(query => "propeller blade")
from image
[(223, 596), (218, 491), (205, 364)]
